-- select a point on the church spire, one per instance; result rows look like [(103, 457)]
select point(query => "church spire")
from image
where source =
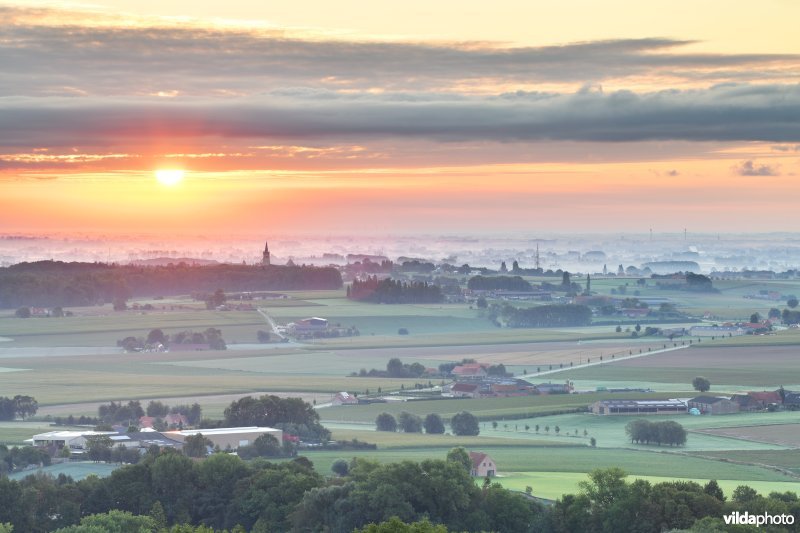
[(265, 257)]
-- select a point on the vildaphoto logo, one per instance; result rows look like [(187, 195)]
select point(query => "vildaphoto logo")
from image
[(747, 519)]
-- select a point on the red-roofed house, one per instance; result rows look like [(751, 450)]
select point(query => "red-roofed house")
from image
[(465, 390), (471, 369), (344, 398), (146, 421), (176, 420), (766, 397), (482, 465)]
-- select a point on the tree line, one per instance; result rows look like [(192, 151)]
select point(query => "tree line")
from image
[(607, 503), (131, 412), (223, 491), (493, 283), (19, 406), (169, 492), (462, 424), (292, 415), (643, 431), (210, 336), (389, 291), (56, 283), (552, 315)]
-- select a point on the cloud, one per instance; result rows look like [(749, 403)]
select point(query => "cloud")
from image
[(785, 148), (41, 55), (748, 168), (768, 113)]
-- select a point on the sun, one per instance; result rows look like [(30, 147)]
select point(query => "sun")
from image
[(169, 177)]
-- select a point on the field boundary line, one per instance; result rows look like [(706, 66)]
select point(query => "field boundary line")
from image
[(608, 361)]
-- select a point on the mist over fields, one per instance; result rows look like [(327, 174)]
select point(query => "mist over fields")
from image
[(584, 253)]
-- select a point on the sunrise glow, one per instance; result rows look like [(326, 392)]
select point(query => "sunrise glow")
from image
[(305, 117), (169, 177)]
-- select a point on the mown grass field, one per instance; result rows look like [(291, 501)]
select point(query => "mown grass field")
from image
[(787, 459), (553, 485), (757, 367), (575, 460)]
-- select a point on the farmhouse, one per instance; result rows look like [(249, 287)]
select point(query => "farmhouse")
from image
[(756, 401), (713, 405), (482, 465), (227, 438), (638, 407), (309, 325), (344, 398), (554, 388), (792, 400), (465, 390), (717, 331), (470, 370)]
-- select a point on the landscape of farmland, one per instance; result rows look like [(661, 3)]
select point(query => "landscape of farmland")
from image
[(72, 365)]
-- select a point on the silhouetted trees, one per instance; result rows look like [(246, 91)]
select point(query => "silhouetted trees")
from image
[(293, 415), (643, 431), (388, 291), (55, 283), (493, 283), (554, 315), (19, 406)]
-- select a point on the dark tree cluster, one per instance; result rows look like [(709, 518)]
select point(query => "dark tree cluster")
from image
[(395, 368), (292, 415), (790, 317), (18, 406), (609, 504), (211, 336), (554, 315), (494, 283), (18, 457), (463, 423), (168, 491), (218, 492), (694, 282), (55, 283), (365, 266), (442, 492), (389, 291), (222, 491), (666, 432), (129, 413), (417, 266)]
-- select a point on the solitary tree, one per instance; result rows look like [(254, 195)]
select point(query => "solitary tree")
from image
[(385, 422), (701, 384), (792, 302), (433, 424), (340, 467), (465, 424)]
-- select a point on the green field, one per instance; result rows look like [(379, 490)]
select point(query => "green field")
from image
[(71, 364), (756, 367), (552, 485)]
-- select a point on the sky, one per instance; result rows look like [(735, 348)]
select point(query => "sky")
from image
[(356, 117)]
